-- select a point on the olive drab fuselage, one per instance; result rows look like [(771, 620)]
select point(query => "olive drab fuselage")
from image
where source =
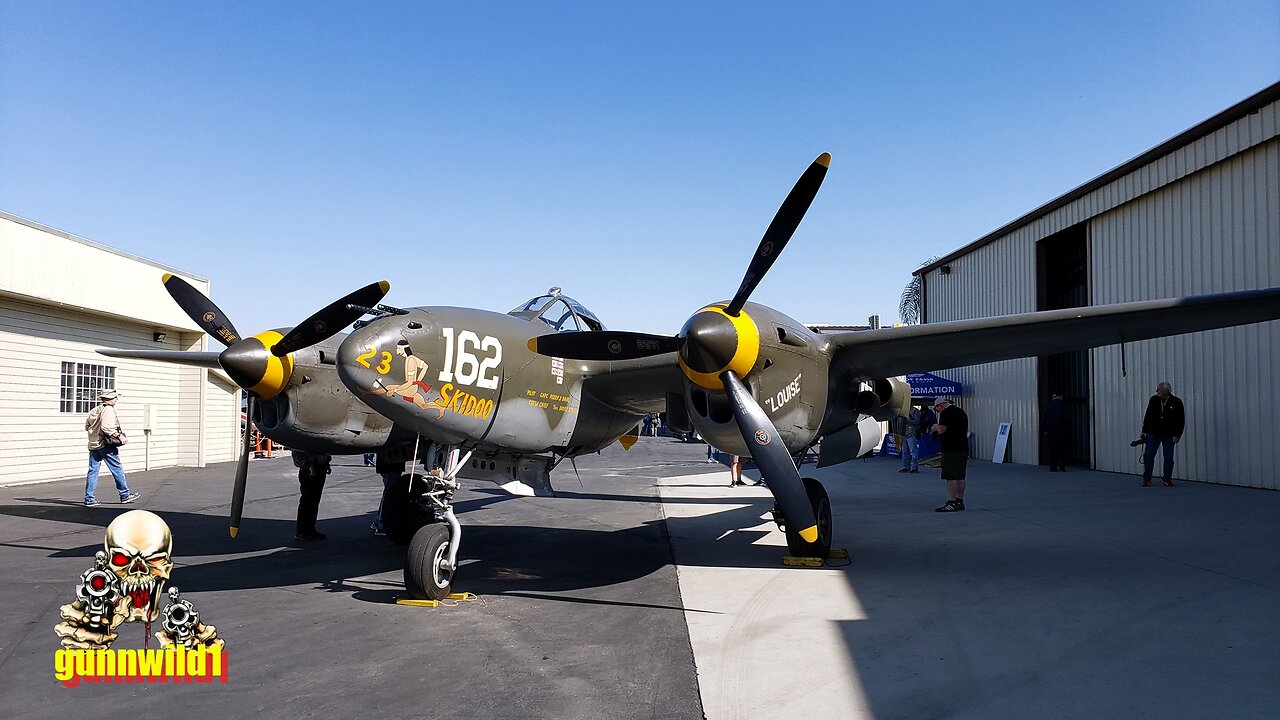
[(459, 376), (462, 376), (465, 376)]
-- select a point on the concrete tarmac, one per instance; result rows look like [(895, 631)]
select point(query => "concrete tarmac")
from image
[(1072, 595), (1054, 595)]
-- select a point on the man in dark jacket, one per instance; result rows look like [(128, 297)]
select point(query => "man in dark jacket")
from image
[(1056, 426), (1162, 427)]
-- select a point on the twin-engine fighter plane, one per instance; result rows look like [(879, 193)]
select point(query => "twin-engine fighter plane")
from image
[(509, 396)]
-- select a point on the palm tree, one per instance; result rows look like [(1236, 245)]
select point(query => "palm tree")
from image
[(909, 305)]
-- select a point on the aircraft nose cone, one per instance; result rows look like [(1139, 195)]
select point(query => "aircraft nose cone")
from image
[(245, 361), (373, 356), (251, 365), (710, 342)]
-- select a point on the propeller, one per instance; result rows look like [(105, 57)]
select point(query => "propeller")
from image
[(717, 347), (242, 470), (201, 310), (327, 322), (779, 232), (261, 364), (622, 345), (772, 458)]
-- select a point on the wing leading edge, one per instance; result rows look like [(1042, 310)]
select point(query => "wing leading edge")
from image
[(936, 346)]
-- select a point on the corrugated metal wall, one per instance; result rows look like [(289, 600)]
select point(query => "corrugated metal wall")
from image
[(1215, 231), (991, 281), (1203, 218)]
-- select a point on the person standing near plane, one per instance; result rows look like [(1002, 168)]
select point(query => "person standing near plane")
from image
[(1056, 425), (1162, 427), (105, 437), (735, 471), (911, 428), (312, 469), (953, 434), (390, 471)]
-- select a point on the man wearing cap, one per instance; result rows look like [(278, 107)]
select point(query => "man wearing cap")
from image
[(103, 421), (953, 434)]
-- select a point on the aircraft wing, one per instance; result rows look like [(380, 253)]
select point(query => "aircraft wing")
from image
[(897, 351), (639, 386), (180, 357)]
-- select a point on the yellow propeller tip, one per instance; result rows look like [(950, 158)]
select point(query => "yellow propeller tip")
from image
[(810, 534), (166, 277), (386, 286), (234, 531), (824, 160), (533, 345)]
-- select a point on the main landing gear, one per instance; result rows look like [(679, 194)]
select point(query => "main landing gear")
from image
[(418, 510), (797, 545)]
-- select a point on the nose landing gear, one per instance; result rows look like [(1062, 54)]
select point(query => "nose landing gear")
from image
[(432, 561)]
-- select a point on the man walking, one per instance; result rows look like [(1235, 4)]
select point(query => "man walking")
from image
[(105, 436), (1162, 427), (953, 434)]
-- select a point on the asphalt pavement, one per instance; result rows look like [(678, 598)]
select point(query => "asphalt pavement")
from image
[(1054, 595)]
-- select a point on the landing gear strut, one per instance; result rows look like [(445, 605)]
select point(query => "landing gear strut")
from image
[(432, 561)]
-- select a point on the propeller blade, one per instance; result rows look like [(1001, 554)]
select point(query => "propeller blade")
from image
[(242, 470), (603, 345), (178, 357), (772, 458), (330, 320), (781, 229), (201, 310)]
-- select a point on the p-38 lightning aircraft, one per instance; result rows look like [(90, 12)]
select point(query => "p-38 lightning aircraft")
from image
[(509, 396)]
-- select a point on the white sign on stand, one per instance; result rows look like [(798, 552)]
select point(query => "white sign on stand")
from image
[(1002, 443)]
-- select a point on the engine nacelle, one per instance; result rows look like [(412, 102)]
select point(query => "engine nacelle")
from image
[(883, 398), (789, 381), (317, 413)]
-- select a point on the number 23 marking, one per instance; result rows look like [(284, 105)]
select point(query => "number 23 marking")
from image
[(383, 368)]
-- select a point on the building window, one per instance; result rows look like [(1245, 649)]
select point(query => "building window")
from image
[(81, 385)]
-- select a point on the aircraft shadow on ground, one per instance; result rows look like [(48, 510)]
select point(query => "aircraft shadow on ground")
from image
[(498, 559)]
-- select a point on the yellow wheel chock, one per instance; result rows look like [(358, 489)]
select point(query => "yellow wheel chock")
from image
[(453, 600), (835, 554)]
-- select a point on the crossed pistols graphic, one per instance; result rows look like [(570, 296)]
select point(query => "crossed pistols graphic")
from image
[(124, 585)]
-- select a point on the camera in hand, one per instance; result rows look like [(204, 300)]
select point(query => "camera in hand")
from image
[(1137, 442)]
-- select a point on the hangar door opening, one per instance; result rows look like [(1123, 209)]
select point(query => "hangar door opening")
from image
[(1062, 281)]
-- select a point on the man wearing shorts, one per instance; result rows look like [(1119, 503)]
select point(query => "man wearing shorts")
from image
[(953, 434)]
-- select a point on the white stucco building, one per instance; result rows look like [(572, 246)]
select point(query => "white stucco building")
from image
[(62, 297)]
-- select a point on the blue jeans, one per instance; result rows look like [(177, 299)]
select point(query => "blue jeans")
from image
[(1149, 456), (112, 457), (911, 453)]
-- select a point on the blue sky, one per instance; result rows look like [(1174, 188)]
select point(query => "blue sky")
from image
[(633, 153)]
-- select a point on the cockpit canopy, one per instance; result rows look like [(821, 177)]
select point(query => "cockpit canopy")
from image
[(560, 312)]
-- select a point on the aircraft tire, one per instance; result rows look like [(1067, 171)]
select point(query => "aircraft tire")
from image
[(797, 545), (423, 576), (402, 514)]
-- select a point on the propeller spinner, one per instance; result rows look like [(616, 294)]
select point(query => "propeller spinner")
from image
[(261, 364), (717, 347)]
